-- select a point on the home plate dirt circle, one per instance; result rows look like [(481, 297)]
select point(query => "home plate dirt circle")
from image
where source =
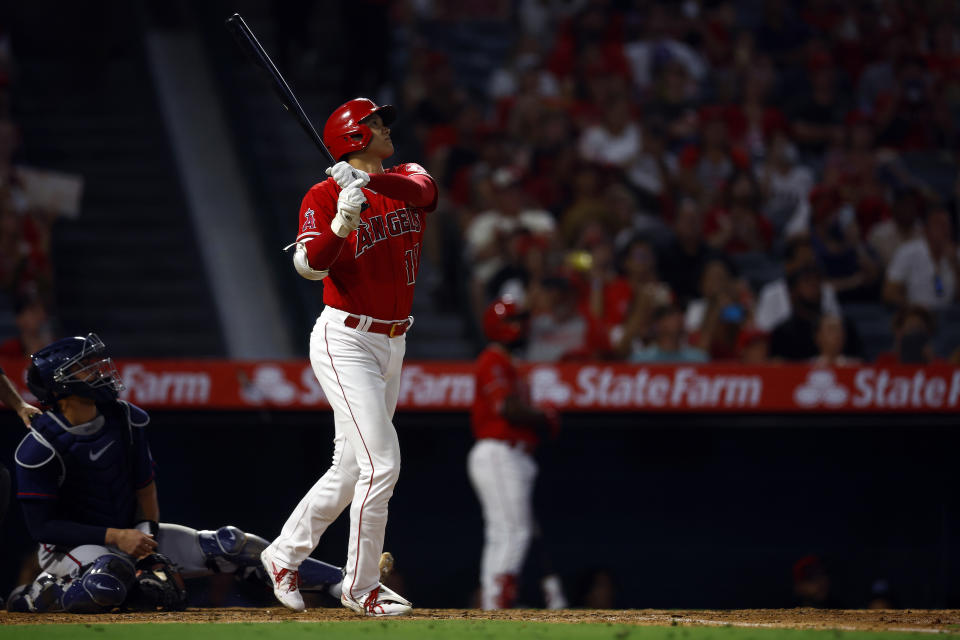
[(849, 620)]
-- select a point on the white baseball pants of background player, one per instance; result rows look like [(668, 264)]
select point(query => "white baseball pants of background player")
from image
[(360, 375), (503, 475)]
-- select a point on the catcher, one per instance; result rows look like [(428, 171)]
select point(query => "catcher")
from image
[(86, 484)]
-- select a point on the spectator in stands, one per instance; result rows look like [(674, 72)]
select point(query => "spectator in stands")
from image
[(638, 262), (488, 232), (605, 294), (737, 226), (674, 103), (558, 329), (782, 34), (616, 140), (669, 342), (587, 205), (521, 277), (774, 301), (753, 346), (714, 320), (785, 185), (754, 123), (817, 115), (913, 330), (925, 270), (914, 116), (793, 339), (33, 325), (706, 167), (651, 173), (835, 235), (656, 45), (901, 227), (831, 338), (682, 261)]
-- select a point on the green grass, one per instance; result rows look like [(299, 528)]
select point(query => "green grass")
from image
[(426, 630)]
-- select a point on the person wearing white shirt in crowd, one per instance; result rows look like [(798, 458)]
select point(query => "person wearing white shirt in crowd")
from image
[(487, 234), (904, 225), (615, 141), (773, 302), (925, 271), (786, 188)]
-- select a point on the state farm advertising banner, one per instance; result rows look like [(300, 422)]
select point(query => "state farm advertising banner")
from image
[(448, 386)]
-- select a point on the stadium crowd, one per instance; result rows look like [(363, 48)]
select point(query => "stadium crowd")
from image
[(26, 270), (693, 181)]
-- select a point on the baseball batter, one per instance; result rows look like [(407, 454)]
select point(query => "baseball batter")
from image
[(501, 464), (367, 258)]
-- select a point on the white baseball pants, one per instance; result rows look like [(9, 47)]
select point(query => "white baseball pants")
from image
[(503, 475), (360, 375)]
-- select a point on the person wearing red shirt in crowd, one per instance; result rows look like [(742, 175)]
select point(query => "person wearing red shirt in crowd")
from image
[(360, 232), (501, 466)]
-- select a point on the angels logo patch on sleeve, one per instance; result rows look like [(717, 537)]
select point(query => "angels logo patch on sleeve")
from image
[(309, 223)]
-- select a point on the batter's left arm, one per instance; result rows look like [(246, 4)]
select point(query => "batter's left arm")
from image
[(418, 189)]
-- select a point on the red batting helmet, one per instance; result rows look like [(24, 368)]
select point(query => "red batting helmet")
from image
[(504, 321), (344, 123)]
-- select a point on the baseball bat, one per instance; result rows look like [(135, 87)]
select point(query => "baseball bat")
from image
[(252, 47)]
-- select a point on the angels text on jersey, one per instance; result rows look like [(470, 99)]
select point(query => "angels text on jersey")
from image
[(379, 227)]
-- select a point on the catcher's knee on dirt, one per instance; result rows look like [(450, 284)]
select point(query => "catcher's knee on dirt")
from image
[(228, 548), (102, 587), (158, 586)]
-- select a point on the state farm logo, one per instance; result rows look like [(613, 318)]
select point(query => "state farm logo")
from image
[(268, 384), (419, 388), (275, 384), (166, 387), (821, 387), (546, 386)]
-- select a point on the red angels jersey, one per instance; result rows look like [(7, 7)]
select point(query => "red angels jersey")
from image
[(496, 378), (376, 270)]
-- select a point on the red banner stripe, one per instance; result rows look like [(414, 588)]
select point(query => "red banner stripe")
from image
[(595, 386)]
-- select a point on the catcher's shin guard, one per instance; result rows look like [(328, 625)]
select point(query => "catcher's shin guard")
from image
[(228, 548), (43, 595), (101, 588), (317, 576)]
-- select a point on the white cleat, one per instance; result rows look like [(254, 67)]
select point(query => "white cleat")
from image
[(286, 582), (379, 602)]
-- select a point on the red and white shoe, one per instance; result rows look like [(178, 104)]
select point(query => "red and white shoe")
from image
[(379, 602), (286, 582)]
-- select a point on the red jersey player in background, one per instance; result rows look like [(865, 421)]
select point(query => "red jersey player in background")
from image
[(501, 464), (367, 258)]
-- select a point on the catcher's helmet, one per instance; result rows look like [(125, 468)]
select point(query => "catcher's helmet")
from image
[(505, 321), (344, 124), (74, 367)]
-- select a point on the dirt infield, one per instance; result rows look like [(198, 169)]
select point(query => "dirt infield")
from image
[(875, 620)]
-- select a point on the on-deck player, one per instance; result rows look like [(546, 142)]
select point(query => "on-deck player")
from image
[(368, 261), (85, 480), (501, 464)]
